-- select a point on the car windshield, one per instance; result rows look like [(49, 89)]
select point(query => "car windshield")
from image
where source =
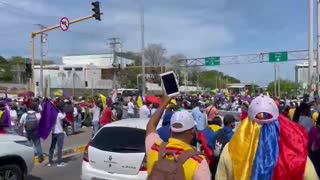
[(120, 139)]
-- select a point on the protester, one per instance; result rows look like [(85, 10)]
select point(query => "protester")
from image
[(285, 111), (212, 112), (30, 122), (78, 117), (305, 119), (106, 117), (261, 149), (314, 146), (131, 108), (154, 108), (199, 117), (292, 110), (192, 165), (96, 117), (164, 130), (220, 139), (57, 138), (144, 111), (205, 138), (70, 112)]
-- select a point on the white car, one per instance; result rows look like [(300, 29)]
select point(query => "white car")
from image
[(16, 157), (117, 152)]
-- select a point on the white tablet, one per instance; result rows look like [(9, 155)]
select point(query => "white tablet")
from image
[(170, 83)]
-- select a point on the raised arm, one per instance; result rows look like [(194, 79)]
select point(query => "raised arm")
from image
[(154, 120)]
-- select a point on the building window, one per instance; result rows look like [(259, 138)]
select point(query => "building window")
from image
[(67, 68)]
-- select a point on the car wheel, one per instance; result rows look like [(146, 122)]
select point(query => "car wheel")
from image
[(10, 172)]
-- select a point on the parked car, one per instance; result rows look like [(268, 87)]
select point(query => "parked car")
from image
[(16, 157), (117, 152)]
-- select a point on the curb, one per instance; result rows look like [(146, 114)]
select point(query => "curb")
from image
[(65, 153)]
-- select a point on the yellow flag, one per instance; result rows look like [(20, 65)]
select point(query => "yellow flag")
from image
[(139, 102), (58, 93), (245, 138), (104, 101), (1, 112), (226, 92), (268, 94)]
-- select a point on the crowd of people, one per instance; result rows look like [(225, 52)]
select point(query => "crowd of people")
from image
[(194, 140), (275, 140)]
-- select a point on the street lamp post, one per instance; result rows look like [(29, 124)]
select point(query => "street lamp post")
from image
[(310, 69), (143, 84)]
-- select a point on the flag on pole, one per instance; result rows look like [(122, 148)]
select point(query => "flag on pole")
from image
[(48, 119), (7, 111), (139, 102), (103, 100)]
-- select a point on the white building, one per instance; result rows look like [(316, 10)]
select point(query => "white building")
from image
[(101, 60), (301, 73), (80, 72)]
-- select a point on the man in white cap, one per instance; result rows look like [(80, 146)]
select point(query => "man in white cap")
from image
[(192, 164)]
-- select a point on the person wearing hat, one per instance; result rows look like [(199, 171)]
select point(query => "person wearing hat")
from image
[(266, 146), (183, 133)]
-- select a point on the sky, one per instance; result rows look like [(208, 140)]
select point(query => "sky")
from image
[(194, 28)]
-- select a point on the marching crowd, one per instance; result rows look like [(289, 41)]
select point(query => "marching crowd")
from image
[(267, 139), (274, 140)]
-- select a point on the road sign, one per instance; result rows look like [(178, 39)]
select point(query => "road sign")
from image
[(212, 61), (278, 57), (64, 24)]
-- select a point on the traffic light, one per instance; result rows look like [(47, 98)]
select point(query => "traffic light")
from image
[(37, 83), (96, 10), (86, 83)]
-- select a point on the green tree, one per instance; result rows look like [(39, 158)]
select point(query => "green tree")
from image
[(287, 87), (3, 60), (215, 79)]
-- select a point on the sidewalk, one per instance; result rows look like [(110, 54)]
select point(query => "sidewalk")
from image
[(72, 144)]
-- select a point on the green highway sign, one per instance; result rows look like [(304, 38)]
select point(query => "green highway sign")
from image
[(278, 57), (212, 61)]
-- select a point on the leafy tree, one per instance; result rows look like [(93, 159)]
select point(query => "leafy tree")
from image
[(3, 60), (287, 87), (17, 60), (155, 55), (215, 79)]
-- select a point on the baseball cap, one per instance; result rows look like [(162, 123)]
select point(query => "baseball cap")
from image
[(184, 118), (263, 109)]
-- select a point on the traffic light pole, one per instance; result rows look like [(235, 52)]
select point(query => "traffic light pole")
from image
[(34, 34)]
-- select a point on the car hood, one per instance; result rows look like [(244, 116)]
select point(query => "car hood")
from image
[(10, 138)]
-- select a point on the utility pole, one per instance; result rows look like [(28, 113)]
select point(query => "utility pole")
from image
[(318, 48), (114, 44), (143, 84), (275, 80), (311, 56), (279, 92), (42, 41)]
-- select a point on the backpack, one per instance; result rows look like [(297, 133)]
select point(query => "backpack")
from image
[(31, 124), (219, 143), (165, 169)]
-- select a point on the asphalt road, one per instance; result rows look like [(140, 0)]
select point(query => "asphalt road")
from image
[(71, 171)]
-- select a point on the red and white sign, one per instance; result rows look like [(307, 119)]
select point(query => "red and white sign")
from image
[(64, 24)]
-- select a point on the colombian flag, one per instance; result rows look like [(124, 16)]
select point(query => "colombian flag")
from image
[(276, 150)]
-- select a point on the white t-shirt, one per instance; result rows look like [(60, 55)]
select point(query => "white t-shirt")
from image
[(75, 112), (130, 108), (13, 116), (144, 112), (24, 116), (96, 113), (58, 128)]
